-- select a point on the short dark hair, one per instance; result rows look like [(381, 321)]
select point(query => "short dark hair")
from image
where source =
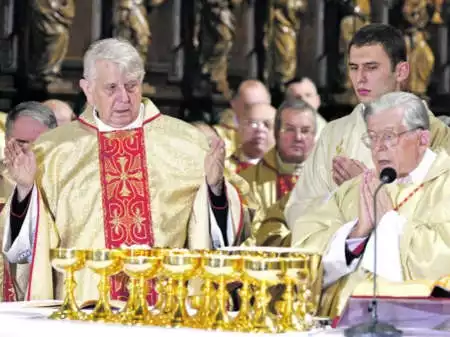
[(35, 110), (389, 37)]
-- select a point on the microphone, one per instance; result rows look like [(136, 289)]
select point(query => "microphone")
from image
[(387, 175), (375, 328)]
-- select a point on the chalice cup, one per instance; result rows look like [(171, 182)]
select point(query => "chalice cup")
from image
[(221, 267), (264, 272), (180, 266), (68, 261), (140, 267), (105, 263)]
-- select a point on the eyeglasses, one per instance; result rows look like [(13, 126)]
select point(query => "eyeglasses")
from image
[(388, 138), (255, 124), (292, 130)]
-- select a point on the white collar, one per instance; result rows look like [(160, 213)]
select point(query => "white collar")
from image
[(417, 175), (252, 161), (137, 123)]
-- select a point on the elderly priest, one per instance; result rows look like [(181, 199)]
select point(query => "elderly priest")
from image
[(412, 213), (123, 174)]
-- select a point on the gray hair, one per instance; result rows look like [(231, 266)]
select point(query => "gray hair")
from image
[(115, 50), (415, 111), (35, 110), (444, 119), (294, 104)]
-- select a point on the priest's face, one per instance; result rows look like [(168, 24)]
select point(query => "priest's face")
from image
[(296, 136), (305, 90), (393, 144), (256, 130), (115, 94), (371, 72)]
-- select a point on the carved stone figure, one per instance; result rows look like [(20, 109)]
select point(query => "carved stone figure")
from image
[(130, 22), (213, 38), (420, 55), (349, 25), (281, 30), (51, 21)]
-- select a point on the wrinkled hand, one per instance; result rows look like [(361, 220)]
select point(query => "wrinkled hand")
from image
[(366, 220), (345, 169), (21, 164), (214, 165)]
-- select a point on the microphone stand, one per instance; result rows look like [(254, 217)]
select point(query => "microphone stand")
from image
[(374, 328)]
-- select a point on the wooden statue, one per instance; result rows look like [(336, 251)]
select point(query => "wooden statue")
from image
[(350, 24), (49, 32), (420, 55), (281, 31), (131, 23), (213, 39)]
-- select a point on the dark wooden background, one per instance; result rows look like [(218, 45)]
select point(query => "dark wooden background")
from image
[(171, 57)]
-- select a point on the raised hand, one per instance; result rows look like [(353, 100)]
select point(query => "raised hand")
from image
[(214, 165), (21, 164), (345, 169)]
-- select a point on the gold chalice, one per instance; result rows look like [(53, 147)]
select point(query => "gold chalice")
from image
[(105, 262), (140, 266), (221, 267), (180, 266), (68, 261), (293, 314), (165, 288), (303, 277), (263, 271)]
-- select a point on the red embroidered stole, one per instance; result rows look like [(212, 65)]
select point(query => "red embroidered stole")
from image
[(285, 184), (125, 196)]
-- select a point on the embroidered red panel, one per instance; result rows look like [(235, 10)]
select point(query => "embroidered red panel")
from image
[(126, 197)]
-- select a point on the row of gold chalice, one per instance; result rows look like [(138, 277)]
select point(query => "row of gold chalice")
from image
[(256, 270)]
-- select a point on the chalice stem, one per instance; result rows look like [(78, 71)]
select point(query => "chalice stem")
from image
[(129, 307), (180, 314), (141, 298), (102, 310), (287, 320), (220, 319), (69, 304)]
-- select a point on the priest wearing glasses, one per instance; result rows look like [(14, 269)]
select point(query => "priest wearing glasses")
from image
[(413, 216)]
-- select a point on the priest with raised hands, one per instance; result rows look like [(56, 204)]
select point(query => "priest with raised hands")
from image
[(122, 174), (412, 213)]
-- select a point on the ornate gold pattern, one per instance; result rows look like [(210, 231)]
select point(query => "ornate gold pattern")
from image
[(126, 197)]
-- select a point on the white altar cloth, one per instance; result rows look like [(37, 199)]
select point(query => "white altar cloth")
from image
[(24, 319)]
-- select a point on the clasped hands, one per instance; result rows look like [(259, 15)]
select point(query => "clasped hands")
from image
[(366, 220)]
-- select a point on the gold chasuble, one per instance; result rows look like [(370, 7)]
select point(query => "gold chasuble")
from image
[(270, 179), (269, 227), (98, 189), (424, 241), (342, 137), (270, 182)]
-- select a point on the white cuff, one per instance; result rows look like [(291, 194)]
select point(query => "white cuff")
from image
[(389, 265), (20, 251), (334, 261), (353, 243)]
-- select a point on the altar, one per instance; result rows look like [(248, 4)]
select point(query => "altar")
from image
[(23, 319)]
